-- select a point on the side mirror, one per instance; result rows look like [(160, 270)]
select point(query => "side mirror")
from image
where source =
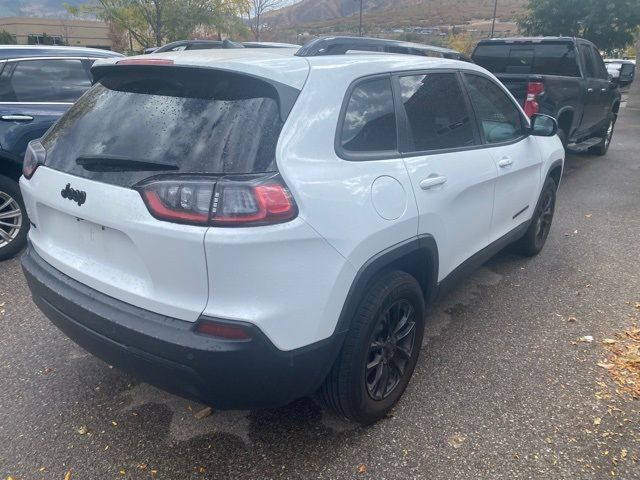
[(543, 125)]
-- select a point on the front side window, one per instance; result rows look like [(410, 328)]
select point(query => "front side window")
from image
[(44, 81), (436, 112), (370, 123), (500, 118)]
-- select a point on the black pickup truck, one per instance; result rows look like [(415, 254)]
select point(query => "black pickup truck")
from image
[(558, 76)]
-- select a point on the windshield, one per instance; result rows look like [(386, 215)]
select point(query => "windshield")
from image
[(203, 122)]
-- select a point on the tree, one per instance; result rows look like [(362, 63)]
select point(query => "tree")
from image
[(6, 38), (462, 42), (155, 22), (610, 24), (255, 11)]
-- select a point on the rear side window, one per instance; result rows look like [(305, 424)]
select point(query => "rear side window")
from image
[(537, 59), (44, 81), (500, 119), (199, 121), (600, 67), (436, 112), (369, 123)]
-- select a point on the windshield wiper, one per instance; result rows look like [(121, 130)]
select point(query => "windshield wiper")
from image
[(117, 163)]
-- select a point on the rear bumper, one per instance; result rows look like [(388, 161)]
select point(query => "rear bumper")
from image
[(166, 352)]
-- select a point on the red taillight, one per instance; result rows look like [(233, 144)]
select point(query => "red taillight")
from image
[(222, 330), (33, 158), (248, 200), (531, 105), (145, 61), (244, 203)]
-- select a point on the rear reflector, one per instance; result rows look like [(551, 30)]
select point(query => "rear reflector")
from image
[(145, 61), (223, 330)]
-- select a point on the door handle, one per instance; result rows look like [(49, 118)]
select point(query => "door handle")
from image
[(603, 90), (589, 90), (431, 182), (505, 162), (17, 118)]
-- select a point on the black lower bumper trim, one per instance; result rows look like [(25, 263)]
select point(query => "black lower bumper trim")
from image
[(166, 352)]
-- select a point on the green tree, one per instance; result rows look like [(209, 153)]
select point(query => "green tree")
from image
[(6, 38), (610, 24), (155, 22)]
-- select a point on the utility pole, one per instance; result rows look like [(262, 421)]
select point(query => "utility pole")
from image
[(493, 23), (360, 27)]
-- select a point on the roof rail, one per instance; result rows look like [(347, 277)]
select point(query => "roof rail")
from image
[(342, 45)]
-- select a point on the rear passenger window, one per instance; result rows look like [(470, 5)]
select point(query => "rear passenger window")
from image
[(587, 61), (370, 123), (44, 81), (436, 111), (500, 118)]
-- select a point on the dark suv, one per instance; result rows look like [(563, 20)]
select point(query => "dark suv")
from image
[(559, 76), (37, 85)]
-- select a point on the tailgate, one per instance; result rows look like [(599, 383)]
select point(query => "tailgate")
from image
[(112, 244), (517, 85)]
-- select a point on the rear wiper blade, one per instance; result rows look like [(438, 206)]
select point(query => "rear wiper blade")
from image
[(118, 163)]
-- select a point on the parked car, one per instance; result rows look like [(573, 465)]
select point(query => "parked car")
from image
[(181, 45), (249, 227), (621, 71), (562, 77), (37, 85)]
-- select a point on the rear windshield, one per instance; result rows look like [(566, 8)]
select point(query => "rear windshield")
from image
[(527, 58), (196, 121)]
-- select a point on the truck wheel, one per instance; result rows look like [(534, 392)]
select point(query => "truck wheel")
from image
[(380, 351), (607, 134), (14, 223), (534, 239)]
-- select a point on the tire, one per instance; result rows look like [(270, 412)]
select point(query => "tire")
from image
[(607, 134), (536, 235), (394, 299), (14, 223)]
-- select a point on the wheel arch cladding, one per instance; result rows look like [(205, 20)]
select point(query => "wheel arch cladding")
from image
[(565, 121), (417, 257), (555, 171), (10, 168)]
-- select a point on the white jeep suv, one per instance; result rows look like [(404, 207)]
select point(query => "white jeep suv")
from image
[(248, 227)]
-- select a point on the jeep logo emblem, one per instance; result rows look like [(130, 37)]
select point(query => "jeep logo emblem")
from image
[(77, 196)]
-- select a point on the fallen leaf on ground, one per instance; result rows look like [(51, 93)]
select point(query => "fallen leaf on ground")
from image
[(204, 413), (571, 319), (362, 468), (115, 424), (586, 339), (67, 476), (83, 430), (609, 341), (597, 421), (606, 366), (457, 440)]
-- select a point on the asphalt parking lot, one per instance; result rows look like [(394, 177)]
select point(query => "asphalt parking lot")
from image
[(504, 389)]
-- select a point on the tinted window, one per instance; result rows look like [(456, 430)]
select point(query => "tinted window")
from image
[(538, 59), (436, 111), (500, 118), (600, 67), (370, 122), (587, 61), (44, 81), (206, 123)]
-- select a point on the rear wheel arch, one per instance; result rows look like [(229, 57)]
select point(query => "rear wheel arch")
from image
[(10, 167), (565, 121), (616, 107), (418, 257)]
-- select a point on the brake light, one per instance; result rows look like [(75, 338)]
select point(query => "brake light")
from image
[(33, 158), (145, 61), (531, 105), (242, 200)]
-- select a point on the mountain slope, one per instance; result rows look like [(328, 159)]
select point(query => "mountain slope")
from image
[(394, 12)]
